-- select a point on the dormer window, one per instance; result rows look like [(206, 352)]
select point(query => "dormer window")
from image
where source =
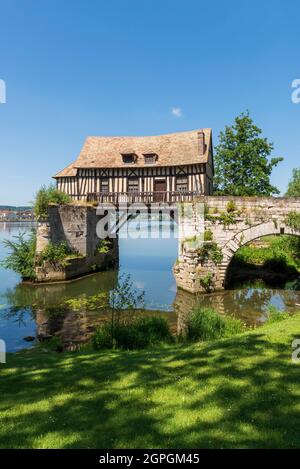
[(150, 158), (129, 158)]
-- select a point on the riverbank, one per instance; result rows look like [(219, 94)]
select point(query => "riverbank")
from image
[(241, 392), (273, 259)]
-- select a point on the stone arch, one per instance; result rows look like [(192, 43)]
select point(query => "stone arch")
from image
[(246, 236)]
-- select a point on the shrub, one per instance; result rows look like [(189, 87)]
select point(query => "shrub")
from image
[(227, 219), (231, 206), (208, 235), (137, 334), (104, 246), (46, 196), (276, 315), (56, 253), (206, 324), (102, 337), (207, 281), (211, 251), (21, 258)]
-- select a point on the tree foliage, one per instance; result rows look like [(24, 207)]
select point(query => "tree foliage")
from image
[(294, 184), (242, 163), (44, 197), (21, 257)]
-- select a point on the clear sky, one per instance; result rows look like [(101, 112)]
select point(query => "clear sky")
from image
[(74, 68)]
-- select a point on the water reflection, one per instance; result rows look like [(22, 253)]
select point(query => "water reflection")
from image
[(41, 311), (249, 301)]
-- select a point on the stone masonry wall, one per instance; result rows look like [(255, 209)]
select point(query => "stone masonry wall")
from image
[(252, 218), (75, 225)]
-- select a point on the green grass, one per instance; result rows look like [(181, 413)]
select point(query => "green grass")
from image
[(239, 392), (281, 254)]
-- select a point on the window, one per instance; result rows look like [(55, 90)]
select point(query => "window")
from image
[(104, 185), (133, 185), (182, 184), (128, 158), (150, 158)]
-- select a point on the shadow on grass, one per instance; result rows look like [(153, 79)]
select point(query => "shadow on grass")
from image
[(241, 392)]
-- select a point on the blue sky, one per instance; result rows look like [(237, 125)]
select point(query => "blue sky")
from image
[(78, 68)]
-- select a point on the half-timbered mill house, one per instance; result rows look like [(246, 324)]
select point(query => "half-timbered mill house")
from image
[(165, 168)]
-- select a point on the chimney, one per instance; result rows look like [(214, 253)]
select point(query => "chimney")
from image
[(201, 143)]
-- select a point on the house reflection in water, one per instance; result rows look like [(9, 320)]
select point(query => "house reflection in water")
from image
[(73, 327)]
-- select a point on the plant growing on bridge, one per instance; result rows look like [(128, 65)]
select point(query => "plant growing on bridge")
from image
[(104, 246), (56, 254), (46, 196), (207, 282), (231, 206), (227, 219), (211, 250), (208, 235), (242, 163)]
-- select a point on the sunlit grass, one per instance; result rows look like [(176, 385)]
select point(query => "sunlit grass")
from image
[(238, 392)]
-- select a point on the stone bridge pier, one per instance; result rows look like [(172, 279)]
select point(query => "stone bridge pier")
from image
[(76, 226), (212, 229)]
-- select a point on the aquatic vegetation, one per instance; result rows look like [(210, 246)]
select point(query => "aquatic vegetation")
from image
[(90, 303)]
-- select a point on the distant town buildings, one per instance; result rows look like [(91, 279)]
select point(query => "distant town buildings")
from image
[(16, 214)]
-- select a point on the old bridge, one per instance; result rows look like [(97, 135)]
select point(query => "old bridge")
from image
[(227, 224), (211, 230)]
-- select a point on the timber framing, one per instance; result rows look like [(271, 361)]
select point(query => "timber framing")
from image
[(183, 163)]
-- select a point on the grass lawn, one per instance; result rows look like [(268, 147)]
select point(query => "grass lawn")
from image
[(240, 392)]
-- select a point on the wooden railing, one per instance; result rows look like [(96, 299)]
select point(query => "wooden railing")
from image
[(142, 197)]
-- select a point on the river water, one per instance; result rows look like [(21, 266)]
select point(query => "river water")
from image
[(29, 310)]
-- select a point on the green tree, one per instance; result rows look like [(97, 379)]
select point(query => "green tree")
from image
[(46, 196), (242, 163), (294, 184)]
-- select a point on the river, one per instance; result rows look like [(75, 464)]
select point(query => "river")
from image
[(31, 310)]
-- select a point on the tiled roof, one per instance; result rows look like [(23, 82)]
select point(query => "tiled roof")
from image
[(171, 149)]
